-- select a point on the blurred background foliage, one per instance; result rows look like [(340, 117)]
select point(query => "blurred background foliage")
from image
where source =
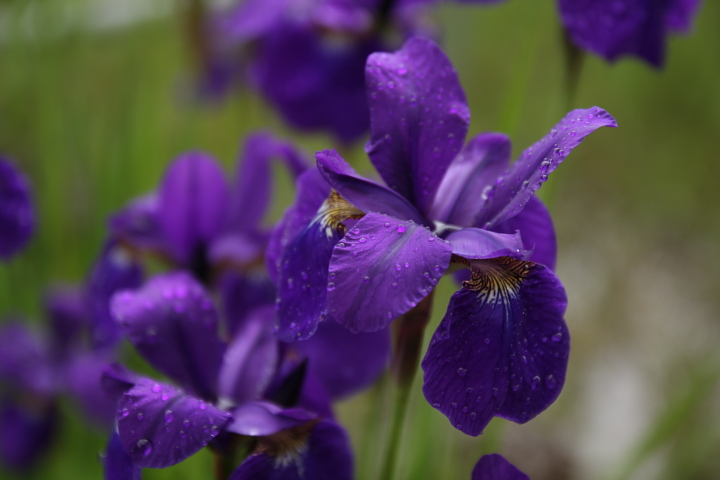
[(96, 99)]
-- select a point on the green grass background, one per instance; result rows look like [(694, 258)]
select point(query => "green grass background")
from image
[(94, 115)]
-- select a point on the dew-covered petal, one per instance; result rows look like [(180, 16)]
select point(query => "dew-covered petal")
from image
[(613, 29), (537, 232), (137, 225), (502, 348), (510, 193), (474, 243), (419, 118), (477, 166), (323, 453), (117, 464), (193, 204), (25, 435), (172, 323), (251, 358), (252, 190), (495, 467), (160, 426), (382, 268), (312, 191), (17, 214), (345, 362), (366, 195), (113, 270), (258, 419)]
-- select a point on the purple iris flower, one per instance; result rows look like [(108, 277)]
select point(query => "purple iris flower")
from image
[(495, 467), (17, 215), (196, 221), (626, 27), (361, 253), (223, 389)]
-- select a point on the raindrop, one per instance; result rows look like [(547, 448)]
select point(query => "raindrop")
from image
[(394, 284), (401, 228), (362, 240), (487, 341), (398, 267), (140, 416), (203, 406), (550, 381), (473, 415), (494, 391), (465, 409), (387, 224), (290, 283), (436, 405), (366, 279), (330, 286), (534, 382), (556, 337), (156, 388), (453, 404), (431, 239), (462, 371), (144, 446), (186, 423), (169, 416)]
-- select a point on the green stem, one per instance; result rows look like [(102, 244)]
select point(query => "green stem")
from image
[(409, 330)]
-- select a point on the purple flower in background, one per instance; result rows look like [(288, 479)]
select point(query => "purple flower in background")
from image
[(363, 254), (495, 467), (17, 216), (223, 387), (626, 27), (196, 221)]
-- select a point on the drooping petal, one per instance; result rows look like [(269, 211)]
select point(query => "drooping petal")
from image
[(613, 29), (502, 348), (477, 166), (17, 215), (419, 118), (495, 467), (138, 227), (381, 269), (193, 204), (322, 454), (160, 426), (537, 232), (251, 195), (474, 243), (258, 419), (114, 270), (25, 435), (345, 362), (509, 194), (117, 464), (172, 322), (250, 359), (366, 195), (115, 380)]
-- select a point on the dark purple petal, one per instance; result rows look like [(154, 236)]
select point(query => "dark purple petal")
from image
[(82, 376), (113, 271), (24, 435), (25, 360), (509, 194), (495, 467), (345, 362), (366, 195), (237, 250), (459, 197), (680, 15), (258, 419), (172, 322), (242, 294), (251, 19), (613, 29), (502, 348), (115, 380), (160, 426), (474, 243), (250, 359), (68, 313), (382, 268), (117, 464), (419, 118), (537, 232), (251, 194), (324, 455), (137, 225), (312, 191), (17, 215), (193, 204)]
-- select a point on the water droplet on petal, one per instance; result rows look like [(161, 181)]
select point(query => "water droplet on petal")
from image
[(550, 381), (169, 416), (557, 337), (462, 371), (534, 382), (401, 228), (330, 286), (140, 416), (156, 388), (144, 446)]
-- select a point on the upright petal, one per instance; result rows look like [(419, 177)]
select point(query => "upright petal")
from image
[(537, 232), (172, 322), (509, 194), (474, 243), (137, 225), (17, 215), (502, 348), (345, 362), (323, 453), (160, 426), (117, 464), (259, 419), (495, 467), (193, 204), (382, 268), (459, 198), (366, 195), (250, 359), (419, 118)]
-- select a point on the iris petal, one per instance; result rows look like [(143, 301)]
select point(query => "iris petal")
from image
[(17, 217), (495, 467)]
